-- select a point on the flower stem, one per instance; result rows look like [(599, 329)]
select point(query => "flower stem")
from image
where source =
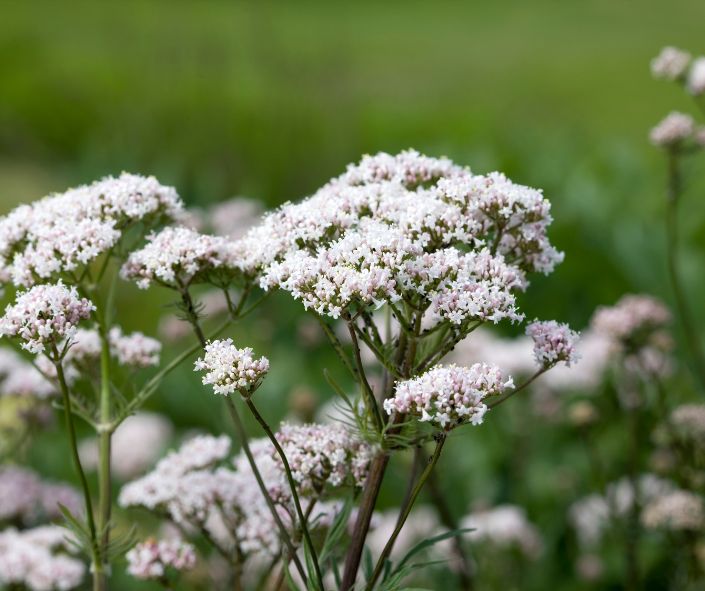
[(440, 441), (192, 318), (104, 444), (98, 581), (508, 395), (373, 484), (242, 434), (673, 192), (292, 484)]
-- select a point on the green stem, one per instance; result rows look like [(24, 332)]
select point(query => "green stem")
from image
[(440, 441), (192, 317), (292, 484), (104, 444), (242, 435), (68, 417), (366, 388), (508, 395), (673, 192)]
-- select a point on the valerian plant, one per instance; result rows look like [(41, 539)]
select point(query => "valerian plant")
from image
[(432, 248)]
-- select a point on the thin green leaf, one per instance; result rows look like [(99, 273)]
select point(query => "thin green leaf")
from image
[(428, 543), (337, 530)]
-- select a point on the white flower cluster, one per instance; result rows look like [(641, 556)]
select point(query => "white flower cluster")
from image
[(228, 503), (671, 64), (45, 314), (321, 455), (27, 499), (182, 483), (676, 510), (689, 421), (34, 559), (229, 369), (134, 349), (234, 217), (406, 226), (449, 395), (553, 343), (677, 65), (61, 232), (592, 515), (178, 257), (696, 77), (136, 445), (634, 322), (152, 558), (504, 526), (673, 130), (20, 378)]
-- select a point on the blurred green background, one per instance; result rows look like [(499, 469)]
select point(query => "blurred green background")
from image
[(269, 100)]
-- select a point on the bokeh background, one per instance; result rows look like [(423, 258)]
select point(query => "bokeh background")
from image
[(270, 99)]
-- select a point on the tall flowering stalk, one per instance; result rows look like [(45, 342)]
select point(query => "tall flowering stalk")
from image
[(72, 239), (679, 136), (440, 249)]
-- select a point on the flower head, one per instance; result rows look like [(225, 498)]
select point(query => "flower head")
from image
[(449, 395), (688, 420), (553, 343), (134, 349), (321, 455), (673, 130), (152, 558), (670, 64), (178, 257), (696, 77), (35, 559), (65, 231), (677, 510), (229, 369), (406, 226), (633, 319), (45, 315)]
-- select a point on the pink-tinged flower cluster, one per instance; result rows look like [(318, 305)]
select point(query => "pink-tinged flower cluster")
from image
[(178, 257), (553, 342), (633, 319), (63, 232), (134, 349), (673, 130), (671, 64), (324, 455), (20, 378), (688, 420), (676, 510), (152, 559), (229, 369), (227, 501), (35, 559), (504, 526), (448, 396), (182, 483), (406, 226), (27, 499), (45, 315)]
